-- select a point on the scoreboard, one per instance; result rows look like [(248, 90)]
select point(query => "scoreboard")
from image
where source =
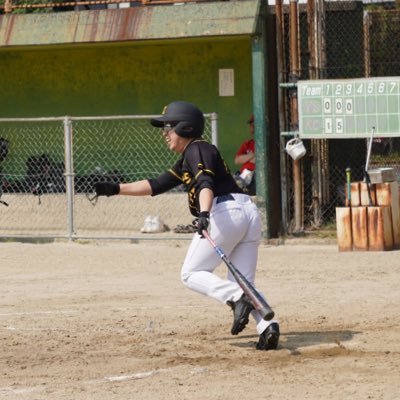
[(349, 108)]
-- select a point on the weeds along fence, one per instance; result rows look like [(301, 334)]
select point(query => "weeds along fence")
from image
[(48, 167)]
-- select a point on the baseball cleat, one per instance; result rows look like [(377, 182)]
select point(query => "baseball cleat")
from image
[(269, 339), (241, 311)]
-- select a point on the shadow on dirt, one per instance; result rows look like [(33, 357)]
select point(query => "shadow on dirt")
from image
[(296, 340), (293, 341)]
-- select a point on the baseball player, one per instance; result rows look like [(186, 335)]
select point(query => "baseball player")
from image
[(219, 205)]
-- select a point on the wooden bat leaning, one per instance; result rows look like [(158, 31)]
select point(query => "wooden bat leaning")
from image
[(256, 299), (348, 182)]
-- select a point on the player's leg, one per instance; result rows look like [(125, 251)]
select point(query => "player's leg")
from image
[(233, 223), (197, 272), (227, 228), (244, 256)]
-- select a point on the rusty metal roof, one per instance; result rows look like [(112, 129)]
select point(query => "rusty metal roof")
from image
[(173, 21)]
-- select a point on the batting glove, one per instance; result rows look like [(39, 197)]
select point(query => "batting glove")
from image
[(106, 188), (202, 222)]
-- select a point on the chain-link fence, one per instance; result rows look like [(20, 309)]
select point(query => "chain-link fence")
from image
[(48, 167), (337, 40)]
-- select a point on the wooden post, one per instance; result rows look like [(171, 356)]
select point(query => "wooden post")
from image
[(280, 49), (294, 75), (387, 194), (355, 194), (380, 234), (7, 6), (364, 196), (343, 226), (359, 226)]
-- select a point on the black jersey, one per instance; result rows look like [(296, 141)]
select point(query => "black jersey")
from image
[(201, 166)]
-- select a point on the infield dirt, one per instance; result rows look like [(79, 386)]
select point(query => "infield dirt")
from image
[(112, 321)]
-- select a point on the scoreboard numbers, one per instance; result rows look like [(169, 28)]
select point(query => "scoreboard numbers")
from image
[(349, 108)]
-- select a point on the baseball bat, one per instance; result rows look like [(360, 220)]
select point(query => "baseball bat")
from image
[(366, 174), (256, 299), (348, 181)]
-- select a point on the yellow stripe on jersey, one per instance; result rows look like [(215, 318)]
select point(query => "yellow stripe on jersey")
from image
[(175, 174), (202, 169), (197, 175), (208, 171)]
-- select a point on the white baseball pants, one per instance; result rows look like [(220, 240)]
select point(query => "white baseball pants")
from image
[(235, 226)]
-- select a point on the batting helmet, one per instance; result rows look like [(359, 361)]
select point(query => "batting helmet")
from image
[(186, 118)]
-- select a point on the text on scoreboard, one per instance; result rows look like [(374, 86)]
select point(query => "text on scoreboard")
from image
[(349, 108)]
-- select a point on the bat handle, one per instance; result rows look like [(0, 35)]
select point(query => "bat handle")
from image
[(348, 181), (369, 149), (266, 313), (213, 244)]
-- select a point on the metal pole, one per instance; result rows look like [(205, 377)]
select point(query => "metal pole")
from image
[(262, 129), (312, 38), (69, 176), (319, 147), (294, 75), (280, 35), (313, 48), (214, 129), (367, 48)]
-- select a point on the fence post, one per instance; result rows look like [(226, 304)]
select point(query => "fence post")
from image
[(294, 75), (7, 6), (367, 47), (214, 129), (69, 176), (281, 62), (262, 134)]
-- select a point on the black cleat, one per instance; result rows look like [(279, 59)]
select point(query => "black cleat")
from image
[(241, 311), (269, 339)]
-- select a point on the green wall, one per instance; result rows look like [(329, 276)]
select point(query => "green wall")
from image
[(130, 78)]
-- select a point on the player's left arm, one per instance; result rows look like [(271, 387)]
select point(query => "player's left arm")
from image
[(138, 188), (144, 187), (206, 197)]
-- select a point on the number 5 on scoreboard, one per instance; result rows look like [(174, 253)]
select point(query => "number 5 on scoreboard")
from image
[(339, 125)]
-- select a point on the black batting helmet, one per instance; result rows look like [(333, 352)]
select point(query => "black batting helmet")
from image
[(186, 118)]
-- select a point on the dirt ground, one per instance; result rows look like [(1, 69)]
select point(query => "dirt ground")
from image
[(112, 321)]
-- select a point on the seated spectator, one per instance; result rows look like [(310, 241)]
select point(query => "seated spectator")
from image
[(245, 158)]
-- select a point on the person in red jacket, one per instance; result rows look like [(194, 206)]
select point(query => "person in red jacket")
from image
[(245, 158)]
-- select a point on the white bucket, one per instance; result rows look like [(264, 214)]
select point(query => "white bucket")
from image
[(295, 148)]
